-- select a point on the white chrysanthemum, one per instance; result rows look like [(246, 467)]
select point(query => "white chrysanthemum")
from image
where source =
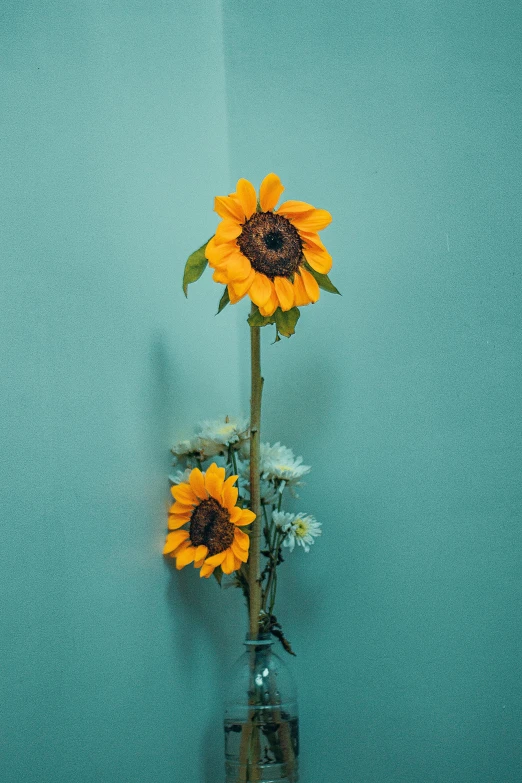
[(180, 476), (209, 448), (279, 462), (268, 492), (282, 520), (187, 447), (244, 448), (224, 432), (298, 528)]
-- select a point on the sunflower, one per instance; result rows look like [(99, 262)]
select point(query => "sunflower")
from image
[(270, 254), (208, 503)]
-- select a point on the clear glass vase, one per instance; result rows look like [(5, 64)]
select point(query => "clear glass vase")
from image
[(261, 719)]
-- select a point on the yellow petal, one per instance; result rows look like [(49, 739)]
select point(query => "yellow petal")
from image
[(216, 560), (271, 306), (244, 517), (184, 494), (285, 292), (241, 554), (217, 253), (237, 563), (312, 221), (301, 297), (235, 514), (220, 275), (240, 287), (214, 485), (210, 248), (184, 545), (319, 260), (229, 563), (260, 290), (238, 266), (312, 239), (184, 555), (200, 553), (242, 539), (290, 208), (229, 208), (197, 484), (270, 192), (246, 196), (214, 468), (178, 520), (180, 508), (174, 540), (310, 284), (234, 299), (206, 570), (227, 230), (230, 492)]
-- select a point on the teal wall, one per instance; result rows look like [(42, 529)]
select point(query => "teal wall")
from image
[(119, 123), (108, 174), (403, 119)]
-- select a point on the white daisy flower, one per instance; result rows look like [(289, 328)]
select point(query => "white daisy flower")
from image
[(279, 462), (209, 448), (299, 528), (187, 447), (282, 520), (223, 432)]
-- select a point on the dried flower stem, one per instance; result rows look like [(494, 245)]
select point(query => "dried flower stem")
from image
[(249, 736), (255, 494)]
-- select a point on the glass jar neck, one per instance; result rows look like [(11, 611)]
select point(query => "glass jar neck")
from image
[(258, 641)]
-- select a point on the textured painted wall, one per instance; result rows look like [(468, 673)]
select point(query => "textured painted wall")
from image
[(403, 119), (113, 131)]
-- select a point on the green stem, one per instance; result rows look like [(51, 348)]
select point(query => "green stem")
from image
[(234, 463), (277, 548)]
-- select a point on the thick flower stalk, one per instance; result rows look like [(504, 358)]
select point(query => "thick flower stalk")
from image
[(254, 578)]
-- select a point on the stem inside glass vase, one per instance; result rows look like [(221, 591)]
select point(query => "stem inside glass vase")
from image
[(261, 723)]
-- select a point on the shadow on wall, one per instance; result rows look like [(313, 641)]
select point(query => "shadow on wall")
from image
[(162, 391), (204, 619), (197, 615)]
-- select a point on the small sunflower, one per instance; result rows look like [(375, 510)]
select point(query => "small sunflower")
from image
[(208, 503), (273, 255)]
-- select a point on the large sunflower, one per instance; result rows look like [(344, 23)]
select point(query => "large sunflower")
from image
[(208, 502), (270, 254)]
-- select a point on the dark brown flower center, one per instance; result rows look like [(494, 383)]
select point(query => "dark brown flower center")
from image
[(272, 244), (210, 525)]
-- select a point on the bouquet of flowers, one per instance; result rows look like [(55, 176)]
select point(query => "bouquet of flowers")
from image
[(229, 487), (221, 448)]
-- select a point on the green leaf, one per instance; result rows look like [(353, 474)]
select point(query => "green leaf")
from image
[(194, 268), (225, 299), (286, 321), (323, 281), (218, 574), (256, 319)]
